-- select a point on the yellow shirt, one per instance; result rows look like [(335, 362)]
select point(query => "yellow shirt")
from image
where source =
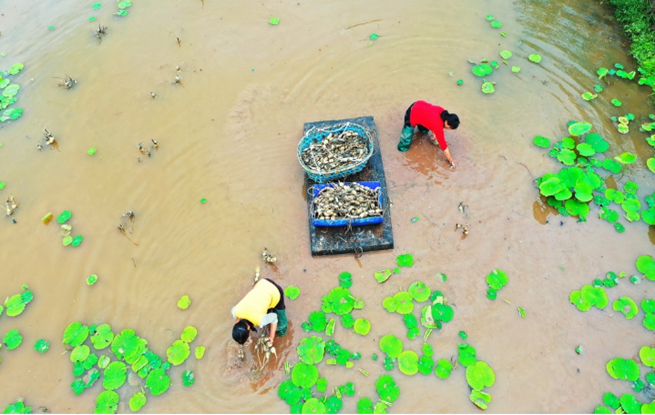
[(257, 302)]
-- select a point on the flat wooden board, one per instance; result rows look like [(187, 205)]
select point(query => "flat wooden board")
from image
[(355, 239)]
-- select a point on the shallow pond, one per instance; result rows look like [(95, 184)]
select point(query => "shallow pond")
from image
[(228, 133)]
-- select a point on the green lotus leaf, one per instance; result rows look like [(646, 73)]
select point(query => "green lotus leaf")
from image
[(646, 265), (11, 90), (11, 113), (18, 408), (358, 304), (107, 402), (114, 376), (490, 17), (611, 400), (184, 302), (497, 279), (388, 363), (103, 361), (516, 69), (541, 141), (496, 24), (4, 83), (647, 356), (189, 334), (364, 406), (413, 333), (158, 381), (78, 387), (619, 227), (178, 352), (648, 306), (425, 365), (391, 345), (188, 378), (650, 163), (405, 260), (137, 401), (623, 369), (648, 408), (124, 4), (311, 350), (482, 70), (631, 205), (492, 294), (583, 192), (479, 375), (534, 58), (345, 280), (128, 346), (551, 186), (80, 353), (626, 158), (348, 389), (65, 215), (408, 362), (566, 157), (304, 375), (600, 409), (332, 348), (92, 279), (630, 404), (12, 339), (505, 54), (387, 388), (321, 385), (596, 295), (67, 240), (443, 368), (404, 302), (318, 320), (390, 304), (410, 321), (289, 392), (199, 352), (616, 102), (382, 276), (467, 354), (588, 96), (292, 292), (597, 142), (583, 303), (41, 346), (341, 300), (419, 291), (480, 399), (362, 326), (612, 166), (585, 149), (75, 334), (488, 87), (329, 329), (380, 408), (623, 129), (333, 405), (442, 312), (92, 376), (102, 337), (579, 128)]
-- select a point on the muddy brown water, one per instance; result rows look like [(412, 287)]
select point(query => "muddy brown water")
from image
[(229, 134)]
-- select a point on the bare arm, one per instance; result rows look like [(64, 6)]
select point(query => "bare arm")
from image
[(449, 157), (271, 332)]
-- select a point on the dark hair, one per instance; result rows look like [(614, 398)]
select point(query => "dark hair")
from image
[(241, 331), (451, 119)]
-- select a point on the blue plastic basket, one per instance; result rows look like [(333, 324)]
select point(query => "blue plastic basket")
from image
[(344, 222), (317, 135)]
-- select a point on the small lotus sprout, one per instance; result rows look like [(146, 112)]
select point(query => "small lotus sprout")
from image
[(11, 205), (178, 80), (66, 82), (179, 42), (153, 95), (155, 144), (143, 150), (39, 147), (268, 258), (130, 215)]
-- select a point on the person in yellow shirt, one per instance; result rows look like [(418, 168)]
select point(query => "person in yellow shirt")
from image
[(262, 306)]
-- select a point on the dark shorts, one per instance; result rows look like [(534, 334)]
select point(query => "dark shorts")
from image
[(280, 305), (409, 124)]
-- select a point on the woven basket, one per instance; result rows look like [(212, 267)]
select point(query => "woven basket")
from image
[(317, 135)]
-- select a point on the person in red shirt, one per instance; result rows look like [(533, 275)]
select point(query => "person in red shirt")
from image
[(428, 117)]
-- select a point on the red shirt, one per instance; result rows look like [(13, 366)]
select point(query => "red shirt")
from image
[(429, 116)]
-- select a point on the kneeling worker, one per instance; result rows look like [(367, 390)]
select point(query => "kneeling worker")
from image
[(262, 306)]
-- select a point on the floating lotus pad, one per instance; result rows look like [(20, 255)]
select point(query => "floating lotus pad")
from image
[(616, 102), (647, 356), (419, 291), (425, 365), (311, 350), (158, 381), (189, 334), (579, 128), (404, 302), (480, 399), (91, 279), (626, 306), (274, 21), (41, 346), (64, 216), (103, 336), (362, 326), (623, 369), (103, 361), (391, 345), (479, 375), (289, 392), (188, 378), (390, 304), (107, 402), (588, 297), (12, 339), (345, 279), (75, 334), (408, 362), (488, 87), (16, 304), (304, 375), (467, 354), (497, 279), (443, 368), (184, 302), (137, 401), (405, 260), (124, 4), (178, 352), (541, 141), (114, 375), (588, 96), (341, 300), (646, 265), (292, 292), (496, 25), (534, 58), (128, 346), (505, 54), (482, 70), (626, 158), (318, 321), (382, 276)]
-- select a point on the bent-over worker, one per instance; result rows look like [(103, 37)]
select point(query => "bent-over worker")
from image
[(262, 306), (428, 118)]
